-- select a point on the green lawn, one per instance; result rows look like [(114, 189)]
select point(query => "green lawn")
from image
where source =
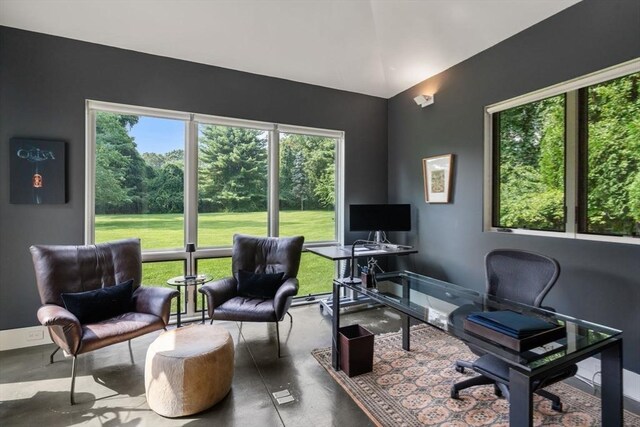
[(165, 231)]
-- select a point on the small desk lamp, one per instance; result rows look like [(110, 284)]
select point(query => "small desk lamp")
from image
[(191, 248)]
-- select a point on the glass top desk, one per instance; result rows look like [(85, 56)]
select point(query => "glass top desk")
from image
[(445, 306)]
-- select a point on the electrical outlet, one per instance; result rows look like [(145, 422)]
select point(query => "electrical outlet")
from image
[(35, 335)]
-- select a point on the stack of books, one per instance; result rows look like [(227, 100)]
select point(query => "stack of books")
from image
[(513, 330)]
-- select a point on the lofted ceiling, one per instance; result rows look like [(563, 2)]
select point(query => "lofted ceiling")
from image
[(374, 47)]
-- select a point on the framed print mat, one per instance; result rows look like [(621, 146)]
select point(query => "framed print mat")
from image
[(437, 178), (37, 171)]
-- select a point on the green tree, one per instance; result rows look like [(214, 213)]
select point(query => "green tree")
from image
[(166, 190), (233, 169), (307, 172), (118, 163), (158, 160), (110, 190), (614, 156), (531, 171)]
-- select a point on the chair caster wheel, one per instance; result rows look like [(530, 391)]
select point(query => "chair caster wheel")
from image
[(497, 391), (454, 393), (460, 369), (557, 408)]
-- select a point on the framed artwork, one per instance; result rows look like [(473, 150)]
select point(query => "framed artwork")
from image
[(437, 178), (37, 171)]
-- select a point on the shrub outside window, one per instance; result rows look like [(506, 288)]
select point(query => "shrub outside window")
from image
[(530, 166)]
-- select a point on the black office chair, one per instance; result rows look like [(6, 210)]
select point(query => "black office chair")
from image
[(524, 277)]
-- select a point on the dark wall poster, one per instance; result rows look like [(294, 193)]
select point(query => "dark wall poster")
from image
[(37, 171)]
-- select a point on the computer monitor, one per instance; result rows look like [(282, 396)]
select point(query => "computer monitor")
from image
[(379, 218)]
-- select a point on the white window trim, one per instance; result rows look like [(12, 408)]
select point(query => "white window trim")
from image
[(191, 173), (571, 149)]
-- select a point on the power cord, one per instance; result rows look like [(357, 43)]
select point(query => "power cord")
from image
[(593, 383)]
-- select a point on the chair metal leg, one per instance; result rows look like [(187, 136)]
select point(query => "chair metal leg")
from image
[(52, 354), (290, 317), (278, 338), (73, 378), (131, 353)]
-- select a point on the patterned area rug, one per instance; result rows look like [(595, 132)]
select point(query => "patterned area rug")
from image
[(412, 388)]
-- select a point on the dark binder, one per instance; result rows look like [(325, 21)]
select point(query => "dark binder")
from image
[(510, 323), (513, 330)]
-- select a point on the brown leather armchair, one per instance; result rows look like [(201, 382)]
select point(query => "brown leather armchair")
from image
[(70, 269), (257, 255)]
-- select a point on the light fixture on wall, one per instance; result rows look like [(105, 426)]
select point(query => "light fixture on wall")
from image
[(424, 100)]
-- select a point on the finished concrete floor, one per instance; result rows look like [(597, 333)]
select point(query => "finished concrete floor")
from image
[(110, 389)]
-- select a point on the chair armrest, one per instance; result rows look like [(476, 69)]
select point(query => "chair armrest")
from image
[(64, 326), (285, 293), (154, 300), (219, 292)]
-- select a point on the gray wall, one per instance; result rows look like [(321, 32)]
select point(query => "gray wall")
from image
[(599, 281), (44, 81)]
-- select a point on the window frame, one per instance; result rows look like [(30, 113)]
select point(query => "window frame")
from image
[(573, 155), (192, 120)]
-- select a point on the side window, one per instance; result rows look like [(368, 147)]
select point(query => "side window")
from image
[(611, 157), (529, 162)]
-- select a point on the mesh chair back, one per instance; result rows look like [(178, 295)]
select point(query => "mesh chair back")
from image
[(520, 276)]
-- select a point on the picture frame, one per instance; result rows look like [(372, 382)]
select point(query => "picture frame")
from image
[(436, 173), (37, 171)]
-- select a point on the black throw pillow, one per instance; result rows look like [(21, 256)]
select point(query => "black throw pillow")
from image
[(256, 285), (101, 304)]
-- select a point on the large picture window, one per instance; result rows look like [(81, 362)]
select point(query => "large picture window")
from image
[(172, 177), (139, 179), (232, 183), (565, 160), (308, 186)]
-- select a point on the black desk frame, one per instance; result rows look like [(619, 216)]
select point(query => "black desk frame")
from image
[(520, 381)]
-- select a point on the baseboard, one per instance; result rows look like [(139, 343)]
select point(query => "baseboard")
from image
[(24, 337), (589, 371)]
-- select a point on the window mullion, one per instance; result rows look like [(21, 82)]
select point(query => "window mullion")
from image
[(571, 161), (273, 163), (191, 185), (90, 178)]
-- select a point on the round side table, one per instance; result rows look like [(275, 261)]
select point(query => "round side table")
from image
[(187, 281)]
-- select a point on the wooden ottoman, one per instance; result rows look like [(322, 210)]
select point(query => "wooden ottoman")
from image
[(188, 369)]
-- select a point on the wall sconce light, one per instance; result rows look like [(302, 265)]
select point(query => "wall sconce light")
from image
[(424, 100)]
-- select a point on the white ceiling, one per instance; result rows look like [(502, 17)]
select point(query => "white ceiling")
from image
[(375, 47)]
